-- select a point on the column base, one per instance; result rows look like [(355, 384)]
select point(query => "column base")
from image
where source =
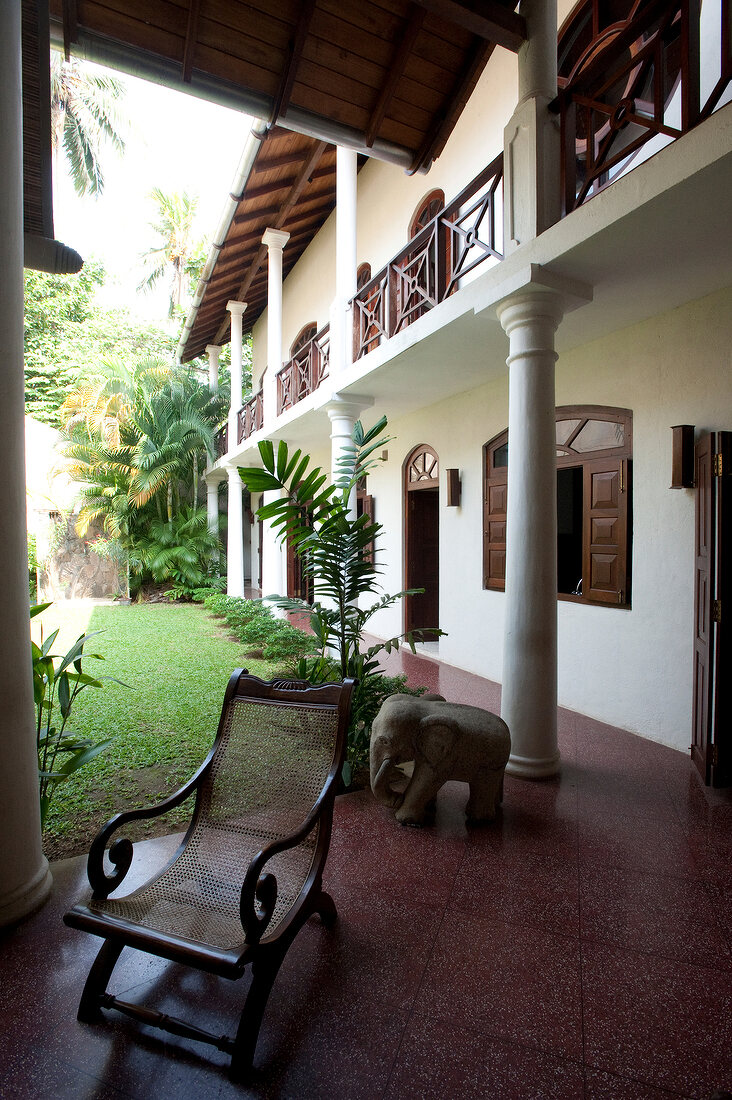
[(26, 898), (533, 767)]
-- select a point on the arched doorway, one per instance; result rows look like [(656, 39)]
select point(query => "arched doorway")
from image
[(422, 537)]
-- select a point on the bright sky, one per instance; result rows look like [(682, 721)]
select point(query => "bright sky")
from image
[(174, 142)]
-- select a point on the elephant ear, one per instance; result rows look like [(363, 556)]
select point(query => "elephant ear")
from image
[(436, 738)]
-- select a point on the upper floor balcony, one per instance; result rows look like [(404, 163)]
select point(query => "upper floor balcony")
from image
[(624, 95)]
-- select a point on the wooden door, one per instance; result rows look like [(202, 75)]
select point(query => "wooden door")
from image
[(423, 557), (711, 748), (422, 537)]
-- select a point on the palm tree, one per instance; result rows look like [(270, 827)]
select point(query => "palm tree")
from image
[(146, 428), (83, 116), (177, 250)]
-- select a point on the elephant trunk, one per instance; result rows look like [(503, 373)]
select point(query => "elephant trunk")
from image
[(382, 775)]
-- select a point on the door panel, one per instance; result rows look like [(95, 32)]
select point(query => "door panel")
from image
[(704, 554), (711, 748), (606, 514), (423, 557)]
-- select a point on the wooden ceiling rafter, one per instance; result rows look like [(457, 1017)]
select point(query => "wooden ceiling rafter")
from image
[(441, 127), (70, 25), (289, 71), (194, 12), (485, 18), (306, 173), (396, 72)]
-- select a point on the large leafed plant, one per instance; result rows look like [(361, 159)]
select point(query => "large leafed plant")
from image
[(337, 549)]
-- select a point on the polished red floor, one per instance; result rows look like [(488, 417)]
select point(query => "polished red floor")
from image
[(579, 947)]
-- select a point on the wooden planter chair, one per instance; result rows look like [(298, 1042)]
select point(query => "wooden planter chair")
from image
[(248, 872)]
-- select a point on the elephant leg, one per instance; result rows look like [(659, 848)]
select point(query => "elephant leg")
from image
[(485, 796), (419, 797)]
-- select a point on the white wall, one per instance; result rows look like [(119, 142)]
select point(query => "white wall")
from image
[(629, 668)]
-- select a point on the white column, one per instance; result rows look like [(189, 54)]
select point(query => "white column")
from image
[(234, 536), (236, 309), (529, 697), (343, 413), (212, 508), (25, 880), (275, 240), (531, 139), (213, 351), (341, 343)]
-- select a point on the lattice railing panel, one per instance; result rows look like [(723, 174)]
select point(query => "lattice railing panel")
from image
[(639, 91), (430, 267), (302, 374)]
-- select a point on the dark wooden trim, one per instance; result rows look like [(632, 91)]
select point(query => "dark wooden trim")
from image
[(191, 37), (442, 124), (485, 19), (70, 25), (396, 71), (289, 71)]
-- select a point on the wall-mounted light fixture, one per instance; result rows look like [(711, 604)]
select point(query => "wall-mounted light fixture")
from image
[(682, 456), (453, 488)]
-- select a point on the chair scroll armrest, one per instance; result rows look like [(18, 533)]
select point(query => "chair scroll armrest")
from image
[(121, 850), (259, 890)]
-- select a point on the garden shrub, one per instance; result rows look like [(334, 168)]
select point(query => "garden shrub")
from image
[(255, 626)]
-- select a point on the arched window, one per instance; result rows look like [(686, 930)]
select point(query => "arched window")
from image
[(363, 276), (303, 337), (594, 453), (427, 209)]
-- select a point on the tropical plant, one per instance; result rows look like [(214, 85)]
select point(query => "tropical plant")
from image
[(84, 115), (177, 252), (336, 549), (56, 688), (32, 565), (333, 544), (180, 550)]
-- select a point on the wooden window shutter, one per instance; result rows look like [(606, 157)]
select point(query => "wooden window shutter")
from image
[(605, 533), (494, 530)]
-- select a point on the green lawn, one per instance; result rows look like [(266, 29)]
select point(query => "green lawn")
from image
[(177, 660)]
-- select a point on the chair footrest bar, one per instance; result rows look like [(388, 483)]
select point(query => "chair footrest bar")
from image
[(167, 1023)]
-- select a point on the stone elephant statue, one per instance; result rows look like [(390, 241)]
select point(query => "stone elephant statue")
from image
[(445, 741)]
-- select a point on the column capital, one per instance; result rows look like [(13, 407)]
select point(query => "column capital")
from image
[(275, 238), (540, 293), (215, 477), (236, 308), (215, 349), (347, 405)]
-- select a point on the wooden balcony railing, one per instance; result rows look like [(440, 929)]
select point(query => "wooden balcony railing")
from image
[(642, 85), (221, 441), (251, 417), (304, 372), (464, 235)]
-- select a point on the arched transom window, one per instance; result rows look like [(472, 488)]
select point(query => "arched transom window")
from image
[(423, 468)]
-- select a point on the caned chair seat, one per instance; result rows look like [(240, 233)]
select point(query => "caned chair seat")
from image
[(249, 870)]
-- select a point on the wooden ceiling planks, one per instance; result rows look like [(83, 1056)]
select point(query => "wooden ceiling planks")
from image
[(387, 77), (389, 73), (297, 175)]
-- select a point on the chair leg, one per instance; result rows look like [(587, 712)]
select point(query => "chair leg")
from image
[(96, 984), (326, 909), (264, 972)]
